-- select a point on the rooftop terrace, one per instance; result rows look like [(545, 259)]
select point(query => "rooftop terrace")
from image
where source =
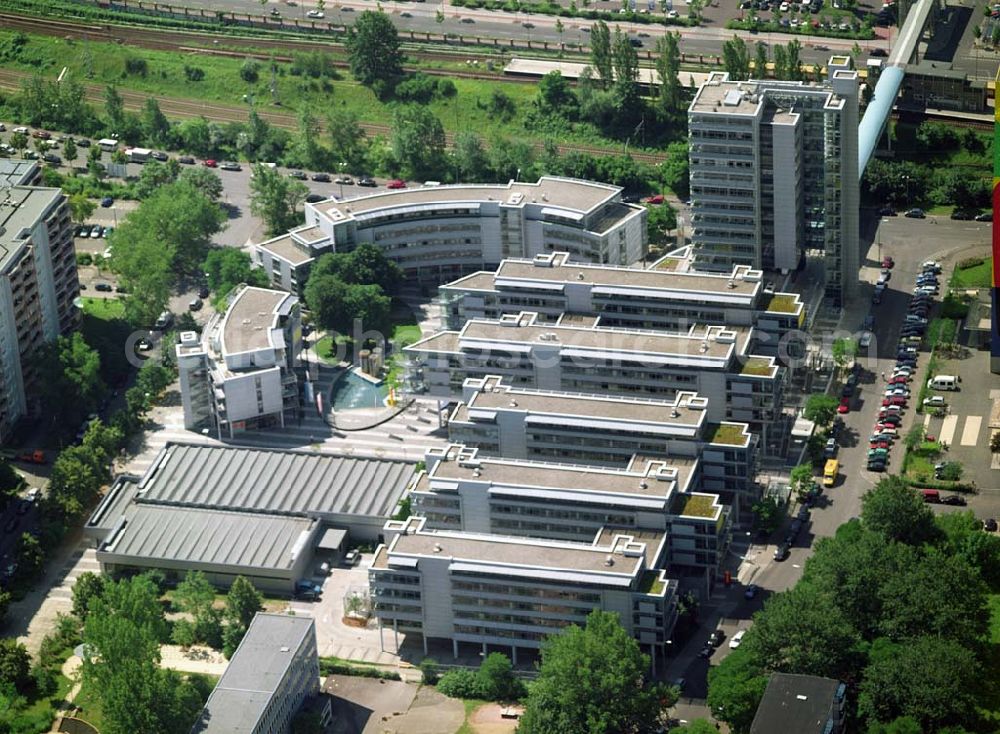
[(250, 318)]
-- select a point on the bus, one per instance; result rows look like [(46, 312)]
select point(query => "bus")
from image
[(830, 472)]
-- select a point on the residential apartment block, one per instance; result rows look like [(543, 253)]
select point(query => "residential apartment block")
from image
[(462, 490), (606, 430), (513, 592), (272, 674), (438, 233), (774, 173), (240, 374), (574, 355), (38, 282), (669, 296)]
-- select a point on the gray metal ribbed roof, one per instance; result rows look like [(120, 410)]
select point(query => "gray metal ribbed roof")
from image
[(239, 539), (280, 482)]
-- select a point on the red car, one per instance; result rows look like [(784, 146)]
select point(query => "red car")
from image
[(845, 406), (210, 163), (888, 262), (894, 400), (396, 183), (899, 380), (41, 135), (879, 444), (655, 199)]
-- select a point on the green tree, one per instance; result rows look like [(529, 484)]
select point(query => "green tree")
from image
[(81, 207), (155, 126), (19, 142), (760, 61), (843, 351), (429, 671), (10, 483), (736, 58), (418, 142), (30, 556), (373, 46), (803, 631), (69, 150), (698, 726), (276, 198), (928, 679), (15, 665), (194, 594), (735, 688), (114, 110), (668, 66), (556, 97), (337, 305), (154, 175), (498, 680), (820, 408), (68, 366), (625, 60), (74, 482), (892, 509), (767, 515), (802, 481), (365, 265), (348, 142), (600, 52), (243, 601), (794, 60), (88, 586), (592, 679), (306, 147), (204, 180), (781, 68), (227, 267), (471, 161), (915, 437), (661, 221)]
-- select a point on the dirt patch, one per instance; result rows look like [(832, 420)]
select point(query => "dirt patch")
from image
[(430, 713), (487, 719)]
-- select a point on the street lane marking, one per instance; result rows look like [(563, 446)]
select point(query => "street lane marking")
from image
[(971, 432), (948, 429), (927, 421)]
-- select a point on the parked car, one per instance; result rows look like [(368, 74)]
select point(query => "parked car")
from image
[(845, 406), (954, 499), (103, 288), (315, 14), (962, 215), (315, 198), (159, 155), (886, 211), (915, 213), (984, 217), (210, 163), (186, 160), (231, 166), (749, 593), (935, 401), (345, 181), (321, 177), (716, 638), (300, 175), (396, 183), (367, 181), (107, 201), (831, 448), (737, 639), (990, 525), (195, 304), (781, 552)]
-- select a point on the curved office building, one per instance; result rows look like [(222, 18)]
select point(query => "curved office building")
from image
[(439, 233)]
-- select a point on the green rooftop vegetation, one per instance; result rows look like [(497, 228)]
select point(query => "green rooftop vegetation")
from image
[(726, 433), (667, 263), (757, 366), (782, 303), (650, 583), (694, 505)]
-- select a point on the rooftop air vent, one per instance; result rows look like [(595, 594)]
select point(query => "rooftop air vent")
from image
[(579, 276), (513, 403), (437, 548), (643, 484), (703, 348), (674, 413), (609, 560), (731, 284), (285, 648)]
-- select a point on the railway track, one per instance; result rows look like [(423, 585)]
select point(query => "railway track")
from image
[(11, 80)]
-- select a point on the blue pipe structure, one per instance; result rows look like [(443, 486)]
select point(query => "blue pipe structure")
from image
[(889, 81)]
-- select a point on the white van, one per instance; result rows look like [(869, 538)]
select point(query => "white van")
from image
[(107, 144), (943, 382)]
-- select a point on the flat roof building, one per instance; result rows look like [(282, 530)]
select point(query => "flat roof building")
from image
[(260, 513), (526, 352), (38, 283), (273, 672), (804, 704), (669, 295), (773, 168), (462, 490), (441, 232), (604, 430), (239, 375), (513, 592)]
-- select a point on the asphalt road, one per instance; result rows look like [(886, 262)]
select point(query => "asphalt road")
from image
[(422, 17), (909, 242)]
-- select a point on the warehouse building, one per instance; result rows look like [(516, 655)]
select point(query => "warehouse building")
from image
[(514, 592), (266, 514), (271, 676), (438, 233)]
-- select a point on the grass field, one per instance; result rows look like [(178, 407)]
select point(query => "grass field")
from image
[(106, 309), (993, 602), (977, 276), (101, 63)]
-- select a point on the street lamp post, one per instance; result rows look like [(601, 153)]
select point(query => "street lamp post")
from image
[(340, 179)]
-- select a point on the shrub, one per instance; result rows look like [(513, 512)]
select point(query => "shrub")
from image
[(335, 667), (84, 258), (250, 71), (429, 670), (954, 307), (194, 73), (970, 262), (136, 66), (418, 88), (461, 683)]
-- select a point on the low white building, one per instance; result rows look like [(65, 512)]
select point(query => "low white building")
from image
[(514, 592), (239, 374), (438, 233)]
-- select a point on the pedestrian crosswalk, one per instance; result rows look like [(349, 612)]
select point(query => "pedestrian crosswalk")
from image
[(971, 429)]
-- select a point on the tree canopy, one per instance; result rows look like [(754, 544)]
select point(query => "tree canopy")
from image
[(69, 366), (820, 408), (592, 680), (375, 55), (893, 509), (418, 142), (276, 198)]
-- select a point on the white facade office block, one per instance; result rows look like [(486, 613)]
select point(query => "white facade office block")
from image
[(709, 360), (774, 174), (38, 282), (441, 232), (240, 374), (462, 490), (611, 431), (668, 296), (513, 592)]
